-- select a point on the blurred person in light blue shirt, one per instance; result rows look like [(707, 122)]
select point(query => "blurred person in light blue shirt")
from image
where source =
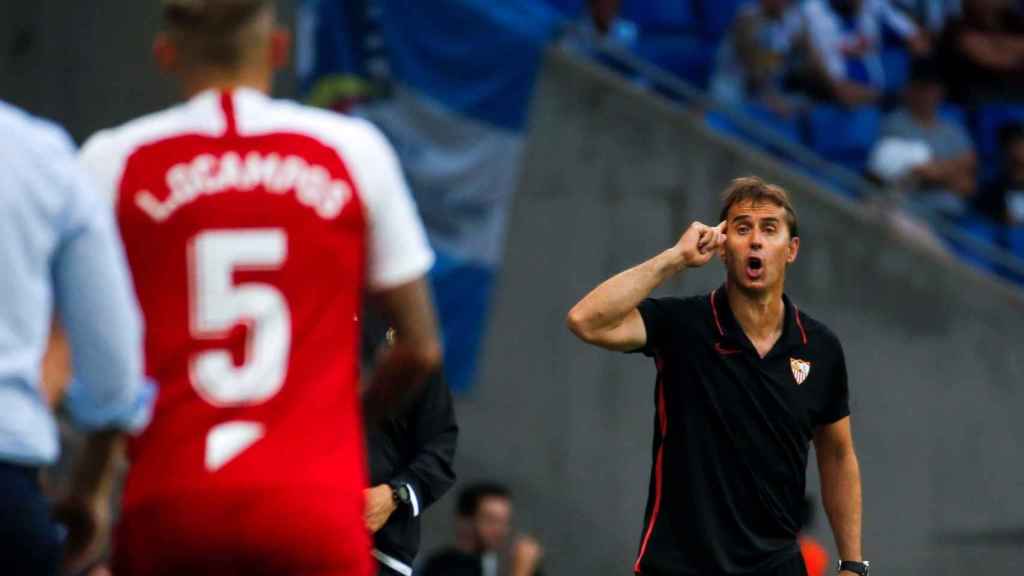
[(763, 57), (60, 254)]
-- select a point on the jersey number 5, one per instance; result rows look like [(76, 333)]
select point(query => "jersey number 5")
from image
[(217, 305)]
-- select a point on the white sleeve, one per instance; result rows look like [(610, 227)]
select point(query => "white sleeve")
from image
[(103, 162), (896, 19), (398, 248), (823, 35)]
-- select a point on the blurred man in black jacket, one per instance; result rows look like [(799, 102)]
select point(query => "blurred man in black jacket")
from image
[(410, 456), (483, 526)]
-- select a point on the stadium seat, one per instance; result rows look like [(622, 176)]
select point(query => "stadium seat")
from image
[(716, 16), (978, 228), (570, 8), (785, 128), (955, 114), (829, 180), (988, 119), (896, 67), (688, 56), (660, 15), (1015, 239), (843, 135)]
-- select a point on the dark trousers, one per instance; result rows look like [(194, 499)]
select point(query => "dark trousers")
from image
[(30, 543), (792, 567)]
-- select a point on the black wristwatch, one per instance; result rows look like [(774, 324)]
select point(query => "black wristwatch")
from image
[(400, 493), (860, 568)]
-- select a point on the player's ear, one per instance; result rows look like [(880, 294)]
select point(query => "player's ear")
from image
[(280, 47), (794, 249), (166, 54)]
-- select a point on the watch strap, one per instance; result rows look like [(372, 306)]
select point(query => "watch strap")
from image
[(400, 493), (860, 568)]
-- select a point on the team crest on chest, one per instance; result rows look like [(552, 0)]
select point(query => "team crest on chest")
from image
[(801, 368)]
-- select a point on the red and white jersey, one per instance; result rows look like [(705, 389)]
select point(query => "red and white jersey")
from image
[(253, 227)]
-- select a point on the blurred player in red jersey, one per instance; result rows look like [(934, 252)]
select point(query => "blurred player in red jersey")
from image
[(253, 228)]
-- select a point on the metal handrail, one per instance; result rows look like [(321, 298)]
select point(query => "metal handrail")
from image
[(674, 85)]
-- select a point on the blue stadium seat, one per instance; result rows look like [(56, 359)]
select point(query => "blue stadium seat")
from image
[(716, 16), (954, 114), (843, 135), (660, 15), (688, 56), (896, 67), (982, 229), (829, 180), (988, 119), (570, 8), (788, 128), (785, 128), (1015, 239)]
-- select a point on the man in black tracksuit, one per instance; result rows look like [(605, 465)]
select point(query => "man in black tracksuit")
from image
[(410, 456), (746, 382)]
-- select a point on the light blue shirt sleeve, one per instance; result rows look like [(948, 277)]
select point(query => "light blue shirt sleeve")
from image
[(60, 251), (98, 309)]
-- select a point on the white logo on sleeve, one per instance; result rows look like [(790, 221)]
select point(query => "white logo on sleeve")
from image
[(801, 368)]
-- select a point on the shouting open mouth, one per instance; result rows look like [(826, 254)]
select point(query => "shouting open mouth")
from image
[(755, 267)]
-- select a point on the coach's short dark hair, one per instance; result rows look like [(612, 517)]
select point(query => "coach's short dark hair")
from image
[(472, 495), (211, 32), (757, 190)]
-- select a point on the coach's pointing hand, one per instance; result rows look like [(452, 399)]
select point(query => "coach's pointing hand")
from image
[(700, 242)]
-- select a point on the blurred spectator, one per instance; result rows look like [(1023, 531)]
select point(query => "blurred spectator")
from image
[(932, 15), (1003, 198), (763, 54), (847, 36), (943, 175), (482, 526), (984, 52)]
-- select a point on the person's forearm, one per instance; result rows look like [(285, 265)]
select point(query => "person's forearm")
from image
[(96, 468), (956, 174), (397, 376), (989, 53), (841, 497), (607, 305), (414, 351)]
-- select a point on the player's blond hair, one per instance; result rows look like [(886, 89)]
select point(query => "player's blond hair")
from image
[(217, 33), (757, 190)]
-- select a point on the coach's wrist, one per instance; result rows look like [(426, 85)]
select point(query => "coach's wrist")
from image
[(675, 260)]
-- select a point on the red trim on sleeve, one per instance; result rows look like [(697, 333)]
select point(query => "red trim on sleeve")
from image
[(227, 104), (663, 429)]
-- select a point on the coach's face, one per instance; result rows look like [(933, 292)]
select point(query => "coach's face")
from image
[(758, 245)]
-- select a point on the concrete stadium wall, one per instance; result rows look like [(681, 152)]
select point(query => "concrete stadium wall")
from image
[(612, 176)]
